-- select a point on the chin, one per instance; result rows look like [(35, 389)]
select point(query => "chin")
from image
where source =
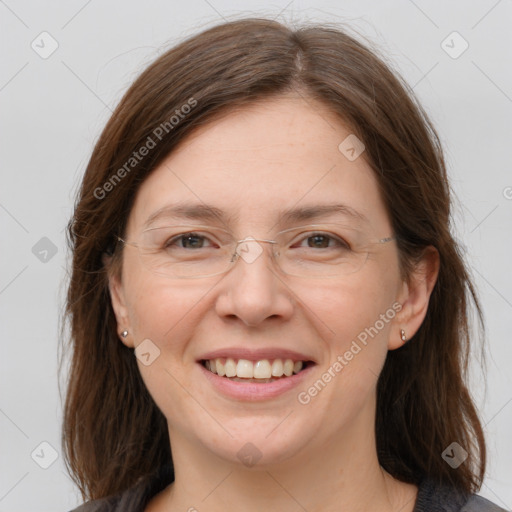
[(261, 445)]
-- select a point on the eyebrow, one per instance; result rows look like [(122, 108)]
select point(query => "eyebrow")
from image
[(194, 211), (315, 211), (190, 211)]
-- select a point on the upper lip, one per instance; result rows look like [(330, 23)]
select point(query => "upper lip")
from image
[(256, 354)]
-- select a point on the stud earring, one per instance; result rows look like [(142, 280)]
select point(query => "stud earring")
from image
[(403, 336), (124, 333)]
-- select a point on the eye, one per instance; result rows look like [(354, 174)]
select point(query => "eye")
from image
[(323, 241), (187, 241)]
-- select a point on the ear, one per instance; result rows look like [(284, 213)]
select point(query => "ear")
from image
[(118, 303), (414, 297)]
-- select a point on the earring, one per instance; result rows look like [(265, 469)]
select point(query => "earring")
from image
[(124, 333), (403, 336)]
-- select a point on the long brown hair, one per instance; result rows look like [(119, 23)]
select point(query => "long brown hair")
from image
[(113, 432)]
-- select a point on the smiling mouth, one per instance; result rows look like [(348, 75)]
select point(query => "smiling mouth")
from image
[(262, 371)]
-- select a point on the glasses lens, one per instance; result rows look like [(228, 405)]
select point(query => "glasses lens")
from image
[(326, 250), (319, 250), (186, 251)]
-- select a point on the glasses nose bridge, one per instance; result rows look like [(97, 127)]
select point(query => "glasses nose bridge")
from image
[(250, 252)]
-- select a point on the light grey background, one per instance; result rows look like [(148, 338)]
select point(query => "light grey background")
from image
[(53, 109)]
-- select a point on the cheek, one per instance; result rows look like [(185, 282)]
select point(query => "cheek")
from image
[(164, 311), (359, 318), (167, 314), (351, 307), (356, 316), (157, 306)]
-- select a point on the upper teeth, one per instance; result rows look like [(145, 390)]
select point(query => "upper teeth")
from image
[(246, 369)]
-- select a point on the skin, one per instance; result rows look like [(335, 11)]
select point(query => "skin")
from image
[(321, 456)]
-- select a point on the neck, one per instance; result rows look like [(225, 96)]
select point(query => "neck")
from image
[(342, 473)]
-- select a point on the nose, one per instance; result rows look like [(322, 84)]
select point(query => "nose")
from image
[(254, 290)]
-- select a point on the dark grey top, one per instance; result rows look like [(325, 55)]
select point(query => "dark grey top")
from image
[(431, 498)]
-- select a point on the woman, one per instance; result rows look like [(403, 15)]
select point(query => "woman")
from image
[(267, 307)]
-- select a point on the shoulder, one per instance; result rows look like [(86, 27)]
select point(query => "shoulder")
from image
[(477, 503), (135, 498), (102, 505), (436, 497)]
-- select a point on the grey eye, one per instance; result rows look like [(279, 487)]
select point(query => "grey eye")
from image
[(187, 241), (193, 241)]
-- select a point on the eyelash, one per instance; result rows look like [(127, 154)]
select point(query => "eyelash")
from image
[(192, 234), (174, 239), (338, 240)]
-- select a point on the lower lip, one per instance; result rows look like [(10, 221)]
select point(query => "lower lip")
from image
[(253, 391)]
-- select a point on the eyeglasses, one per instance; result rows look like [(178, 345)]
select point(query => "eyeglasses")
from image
[(317, 250)]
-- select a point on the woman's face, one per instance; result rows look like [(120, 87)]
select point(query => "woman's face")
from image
[(277, 156)]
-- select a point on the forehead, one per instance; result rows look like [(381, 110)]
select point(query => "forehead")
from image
[(254, 164)]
